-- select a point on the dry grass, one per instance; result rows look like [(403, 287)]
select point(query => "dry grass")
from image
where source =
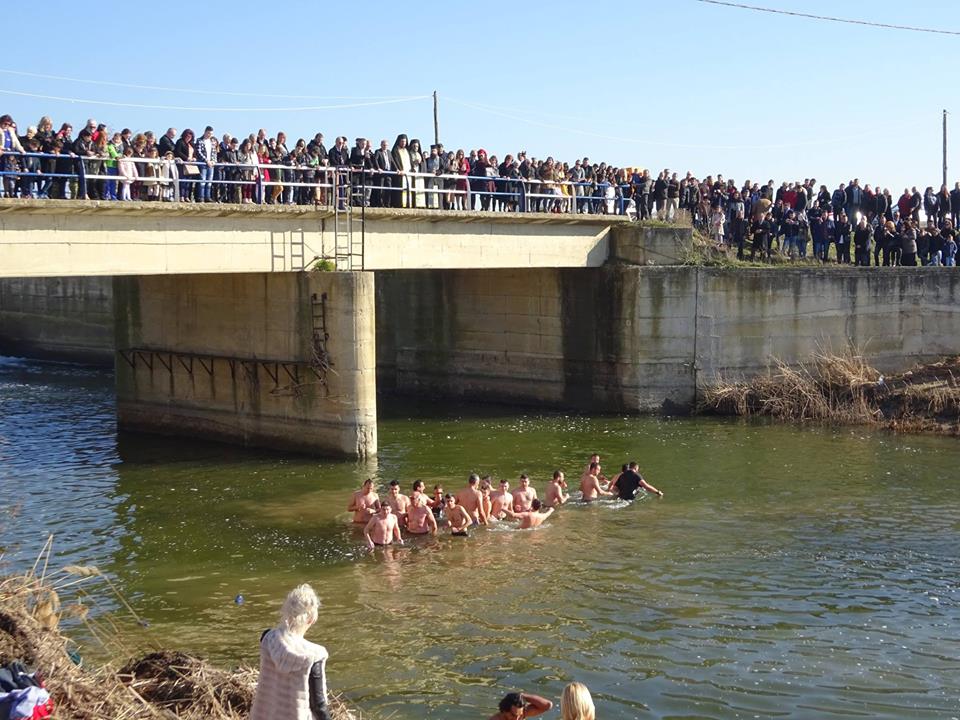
[(162, 684), (845, 389)]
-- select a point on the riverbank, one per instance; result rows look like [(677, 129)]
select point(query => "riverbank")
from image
[(159, 684), (846, 389)]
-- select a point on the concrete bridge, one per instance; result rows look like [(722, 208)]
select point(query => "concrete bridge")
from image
[(41, 238), (214, 330)]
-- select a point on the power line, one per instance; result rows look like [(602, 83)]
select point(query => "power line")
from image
[(205, 91), (143, 106), (828, 18), (510, 114)]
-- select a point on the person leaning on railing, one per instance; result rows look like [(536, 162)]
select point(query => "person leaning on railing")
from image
[(10, 148)]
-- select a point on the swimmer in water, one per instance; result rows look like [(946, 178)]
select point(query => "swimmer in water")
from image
[(517, 706), (533, 517), (383, 528), (364, 503), (487, 503), (420, 520), (600, 476), (630, 481), (590, 488), (399, 503), (416, 490), (458, 519), (500, 501), (437, 502), (524, 495), (471, 500), (556, 490)]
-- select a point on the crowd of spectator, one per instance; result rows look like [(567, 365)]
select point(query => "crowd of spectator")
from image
[(761, 221)]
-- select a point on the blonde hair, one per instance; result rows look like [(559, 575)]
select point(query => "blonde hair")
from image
[(576, 703), (299, 610)]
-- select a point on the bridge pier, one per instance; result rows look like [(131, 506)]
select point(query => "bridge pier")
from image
[(279, 360)]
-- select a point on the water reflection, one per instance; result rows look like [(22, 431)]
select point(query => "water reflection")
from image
[(788, 573)]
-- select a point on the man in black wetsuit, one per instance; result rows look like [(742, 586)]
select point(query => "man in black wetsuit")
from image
[(627, 484)]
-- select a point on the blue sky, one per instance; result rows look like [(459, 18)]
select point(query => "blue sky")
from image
[(677, 84)]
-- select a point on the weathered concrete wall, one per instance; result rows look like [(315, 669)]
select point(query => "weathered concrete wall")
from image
[(278, 360), (624, 338), (65, 318), (897, 316), (47, 238)]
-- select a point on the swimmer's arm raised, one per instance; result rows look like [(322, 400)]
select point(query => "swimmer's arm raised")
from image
[(534, 705)]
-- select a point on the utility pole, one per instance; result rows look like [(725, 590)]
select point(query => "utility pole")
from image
[(436, 127), (944, 147)]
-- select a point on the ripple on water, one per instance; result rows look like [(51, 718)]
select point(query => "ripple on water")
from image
[(744, 593)]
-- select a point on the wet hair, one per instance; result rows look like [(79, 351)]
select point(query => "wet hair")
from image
[(557, 474), (474, 479), (633, 465), (536, 504), (510, 701), (524, 476), (624, 467), (418, 484), (448, 496), (594, 466), (368, 480), (394, 483)]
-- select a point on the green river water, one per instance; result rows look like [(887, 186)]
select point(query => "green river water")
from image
[(788, 573)]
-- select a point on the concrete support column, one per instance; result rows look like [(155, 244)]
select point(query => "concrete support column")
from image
[(277, 360)]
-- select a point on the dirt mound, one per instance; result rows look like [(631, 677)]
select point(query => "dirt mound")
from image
[(185, 684)]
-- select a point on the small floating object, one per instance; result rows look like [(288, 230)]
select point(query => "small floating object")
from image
[(143, 623), (238, 599)]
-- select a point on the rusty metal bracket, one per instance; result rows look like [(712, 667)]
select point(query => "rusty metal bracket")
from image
[(186, 366), (147, 357)]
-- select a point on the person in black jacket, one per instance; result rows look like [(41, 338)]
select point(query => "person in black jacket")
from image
[(861, 243), (880, 205), (931, 205), (843, 231), (955, 204), (660, 194), (944, 205), (739, 233)]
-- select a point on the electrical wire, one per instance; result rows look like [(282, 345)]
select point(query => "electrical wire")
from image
[(828, 18), (143, 106), (209, 91), (654, 143)]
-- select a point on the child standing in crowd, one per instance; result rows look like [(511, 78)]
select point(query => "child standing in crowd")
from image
[(716, 226), (168, 176), (151, 173), (128, 173), (950, 251)]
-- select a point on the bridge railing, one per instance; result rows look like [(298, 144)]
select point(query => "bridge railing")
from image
[(70, 176)]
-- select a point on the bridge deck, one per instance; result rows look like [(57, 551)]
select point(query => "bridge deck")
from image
[(58, 238)]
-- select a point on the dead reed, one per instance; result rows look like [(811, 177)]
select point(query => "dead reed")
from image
[(826, 388), (162, 684)]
